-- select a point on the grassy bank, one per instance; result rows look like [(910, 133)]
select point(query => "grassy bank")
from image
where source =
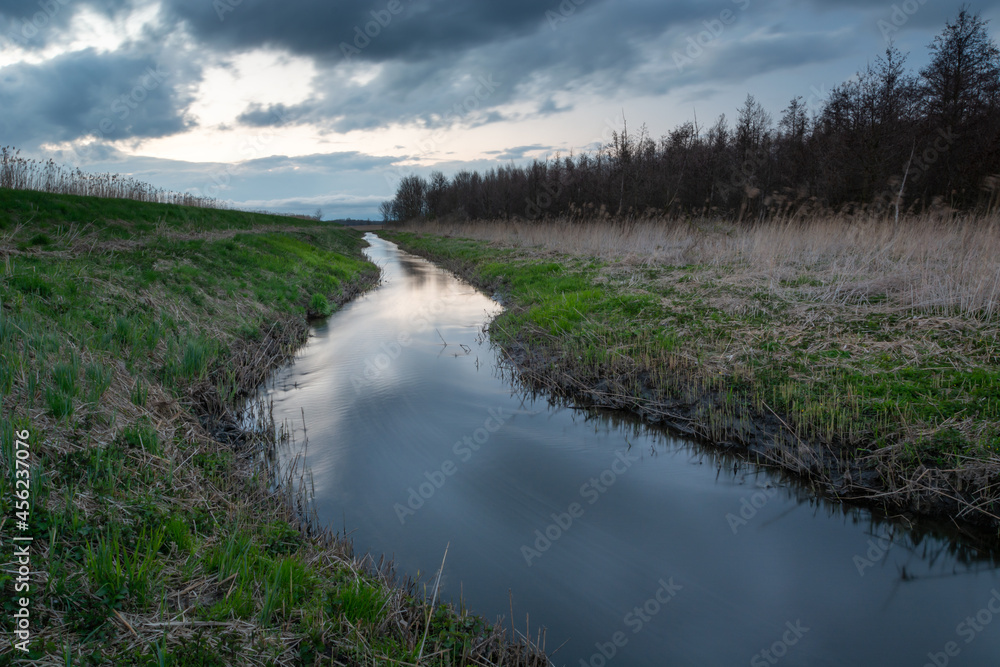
[(860, 354), (129, 333)]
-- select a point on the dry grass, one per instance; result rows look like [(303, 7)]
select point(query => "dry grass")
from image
[(931, 263), (20, 173)]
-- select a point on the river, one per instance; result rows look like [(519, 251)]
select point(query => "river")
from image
[(630, 546)]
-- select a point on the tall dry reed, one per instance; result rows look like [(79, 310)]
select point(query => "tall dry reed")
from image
[(20, 173), (949, 265)]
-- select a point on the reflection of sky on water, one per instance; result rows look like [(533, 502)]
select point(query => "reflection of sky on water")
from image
[(386, 402)]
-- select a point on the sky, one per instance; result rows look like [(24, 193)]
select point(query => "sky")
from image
[(298, 105)]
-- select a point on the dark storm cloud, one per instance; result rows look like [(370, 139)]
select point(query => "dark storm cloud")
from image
[(111, 95), (440, 78), (34, 24), (378, 29), (257, 115), (435, 54), (737, 61), (600, 51), (904, 14)]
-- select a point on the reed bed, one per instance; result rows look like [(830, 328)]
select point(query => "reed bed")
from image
[(21, 173), (939, 263)]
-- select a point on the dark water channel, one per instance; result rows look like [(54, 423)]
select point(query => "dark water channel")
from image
[(620, 540)]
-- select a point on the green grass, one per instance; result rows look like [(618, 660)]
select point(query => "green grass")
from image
[(141, 436), (98, 380), (319, 306), (118, 218), (123, 326), (60, 405), (360, 603), (125, 576)]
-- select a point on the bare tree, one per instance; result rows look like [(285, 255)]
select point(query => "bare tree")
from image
[(435, 195), (961, 87), (752, 127), (385, 210), (409, 201), (963, 78)]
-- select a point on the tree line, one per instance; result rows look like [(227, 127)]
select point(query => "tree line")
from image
[(887, 140)]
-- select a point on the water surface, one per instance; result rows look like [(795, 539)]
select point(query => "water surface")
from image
[(619, 539)]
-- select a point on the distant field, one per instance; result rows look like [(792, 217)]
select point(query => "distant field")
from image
[(869, 352)]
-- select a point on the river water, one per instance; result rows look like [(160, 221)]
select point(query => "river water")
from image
[(630, 546)]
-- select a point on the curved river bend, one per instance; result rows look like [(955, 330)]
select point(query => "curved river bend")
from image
[(630, 546)]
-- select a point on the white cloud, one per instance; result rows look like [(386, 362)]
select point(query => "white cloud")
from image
[(262, 76)]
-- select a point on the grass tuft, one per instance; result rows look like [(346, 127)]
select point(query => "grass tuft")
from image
[(319, 306), (360, 603)]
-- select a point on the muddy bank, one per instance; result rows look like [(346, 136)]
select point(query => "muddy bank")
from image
[(763, 438), (252, 359), (730, 419)]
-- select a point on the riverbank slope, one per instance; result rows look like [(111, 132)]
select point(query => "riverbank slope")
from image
[(851, 353), (129, 335)]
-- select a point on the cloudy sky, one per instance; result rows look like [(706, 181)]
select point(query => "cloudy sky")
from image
[(296, 105)]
